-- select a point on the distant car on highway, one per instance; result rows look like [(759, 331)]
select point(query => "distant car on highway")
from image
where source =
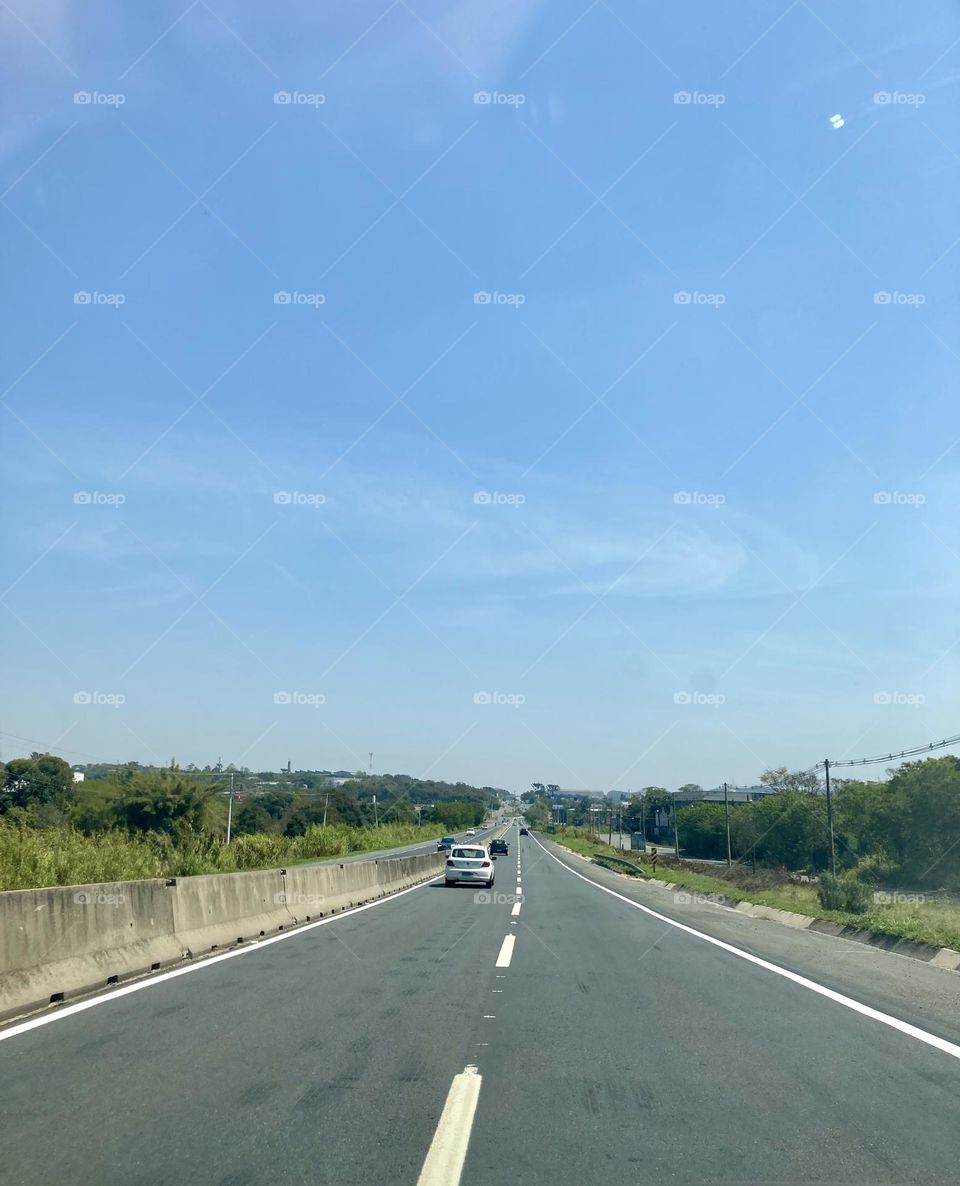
[(446, 842), (499, 848), (524, 832), (470, 863), (471, 832)]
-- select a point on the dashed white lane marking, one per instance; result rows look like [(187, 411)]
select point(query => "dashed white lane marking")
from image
[(448, 1149), (516, 908), (904, 1027), (506, 951)]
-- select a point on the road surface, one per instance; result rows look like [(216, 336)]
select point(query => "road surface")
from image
[(431, 833), (571, 1038)]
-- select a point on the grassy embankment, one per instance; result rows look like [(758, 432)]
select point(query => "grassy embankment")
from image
[(927, 920), (34, 857)]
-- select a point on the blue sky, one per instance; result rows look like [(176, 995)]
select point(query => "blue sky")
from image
[(679, 497)]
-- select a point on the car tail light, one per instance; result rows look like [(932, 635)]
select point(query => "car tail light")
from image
[(449, 862), (485, 865)]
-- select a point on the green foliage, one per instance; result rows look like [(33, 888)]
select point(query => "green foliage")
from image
[(30, 856), (458, 816), (158, 802), (62, 856), (35, 781), (537, 813), (789, 829), (703, 831), (782, 779), (926, 797), (844, 892)]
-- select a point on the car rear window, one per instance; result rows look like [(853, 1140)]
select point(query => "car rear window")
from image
[(475, 854)]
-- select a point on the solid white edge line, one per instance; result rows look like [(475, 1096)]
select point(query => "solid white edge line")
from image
[(840, 998), (198, 964), (443, 1165), (506, 952)]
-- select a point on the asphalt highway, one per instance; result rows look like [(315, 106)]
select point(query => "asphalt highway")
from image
[(587, 1030), (432, 834)]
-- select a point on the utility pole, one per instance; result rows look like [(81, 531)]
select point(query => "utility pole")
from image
[(326, 804), (676, 829), (726, 816), (230, 809), (610, 827), (833, 852), (376, 817)]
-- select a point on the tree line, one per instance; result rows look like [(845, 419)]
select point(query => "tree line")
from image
[(40, 791), (904, 830)]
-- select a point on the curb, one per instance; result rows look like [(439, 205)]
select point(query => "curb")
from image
[(940, 957)]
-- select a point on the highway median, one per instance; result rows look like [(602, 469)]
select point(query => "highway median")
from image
[(61, 942)]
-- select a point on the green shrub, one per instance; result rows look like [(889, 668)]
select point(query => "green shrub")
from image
[(874, 870), (257, 850), (845, 892)]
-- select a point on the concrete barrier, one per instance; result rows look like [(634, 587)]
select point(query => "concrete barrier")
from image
[(57, 942), (64, 941)]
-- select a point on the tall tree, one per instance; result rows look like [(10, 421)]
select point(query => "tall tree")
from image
[(36, 781)]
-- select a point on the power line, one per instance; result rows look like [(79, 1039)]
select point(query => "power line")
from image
[(904, 753)]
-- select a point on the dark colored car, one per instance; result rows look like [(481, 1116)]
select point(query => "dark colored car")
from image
[(446, 842), (524, 832), (499, 848)]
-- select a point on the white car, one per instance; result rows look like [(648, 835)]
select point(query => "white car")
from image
[(470, 832), (470, 863)]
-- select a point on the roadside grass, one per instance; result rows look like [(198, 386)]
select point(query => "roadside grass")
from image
[(925, 921), (31, 858)]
